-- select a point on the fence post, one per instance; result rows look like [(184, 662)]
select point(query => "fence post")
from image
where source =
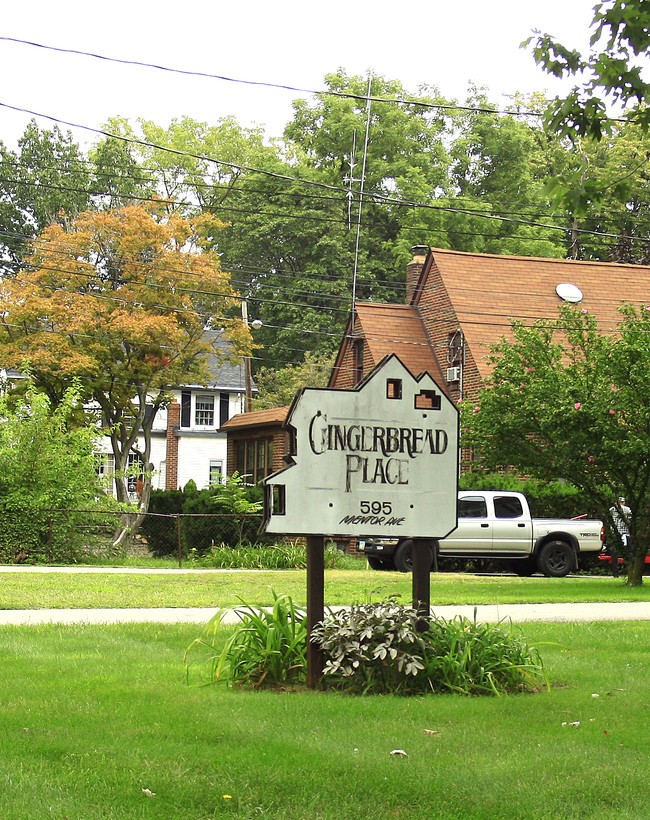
[(178, 541)]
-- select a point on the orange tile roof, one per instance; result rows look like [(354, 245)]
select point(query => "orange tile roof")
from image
[(398, 329), (487, 291), (258, 418)]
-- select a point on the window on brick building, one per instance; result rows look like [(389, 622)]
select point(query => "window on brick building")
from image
[(254, 458), (358, 348)]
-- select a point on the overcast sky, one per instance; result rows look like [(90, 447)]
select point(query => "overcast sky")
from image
[(288, 42)]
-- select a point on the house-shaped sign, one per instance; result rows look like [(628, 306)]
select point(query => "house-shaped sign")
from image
[(378, 460)]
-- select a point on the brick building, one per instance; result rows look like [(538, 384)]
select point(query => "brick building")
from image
[(460, 304), (257, 442)]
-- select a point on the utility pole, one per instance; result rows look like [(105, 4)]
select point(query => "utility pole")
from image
[(248, 379), (256, 324)]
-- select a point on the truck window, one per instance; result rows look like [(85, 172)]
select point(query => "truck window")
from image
[(472, 507), (508, 506)]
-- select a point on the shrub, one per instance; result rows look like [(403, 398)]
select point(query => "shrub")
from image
[(47, 462), (226, 514), (550, 499), (268, 648), (479, 659), (377, 649), (373, 648)]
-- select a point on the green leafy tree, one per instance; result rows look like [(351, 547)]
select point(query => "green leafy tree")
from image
[(568, 401), (499, 164), (118, 178), (277, 386), (610, 74), (609, 79), (46, 181), (46, 462), (293, 244)]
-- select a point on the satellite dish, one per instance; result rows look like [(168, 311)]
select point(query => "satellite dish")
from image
[(569, 292)]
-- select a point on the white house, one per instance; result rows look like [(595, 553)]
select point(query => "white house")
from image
[(186, 442)]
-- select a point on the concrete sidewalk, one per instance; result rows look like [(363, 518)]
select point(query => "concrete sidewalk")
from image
[(517, 613)]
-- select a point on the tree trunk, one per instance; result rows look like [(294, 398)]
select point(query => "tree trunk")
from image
[(635, 570)]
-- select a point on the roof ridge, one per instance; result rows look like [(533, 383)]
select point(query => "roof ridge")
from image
[(545, 259)]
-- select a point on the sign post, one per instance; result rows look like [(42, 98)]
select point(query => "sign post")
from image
[(315, 604), (380, 460)]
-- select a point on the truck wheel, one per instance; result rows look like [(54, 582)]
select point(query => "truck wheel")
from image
[(556, 559), (377, 563), (403, 556)]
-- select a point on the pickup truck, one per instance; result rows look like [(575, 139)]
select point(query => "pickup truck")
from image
[(498, 525)]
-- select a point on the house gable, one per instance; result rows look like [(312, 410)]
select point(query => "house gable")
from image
[(379, 331)]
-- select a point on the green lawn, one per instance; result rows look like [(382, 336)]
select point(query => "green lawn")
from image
[(90, 716), (60, 590)]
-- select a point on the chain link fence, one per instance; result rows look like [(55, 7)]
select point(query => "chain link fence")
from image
[(67, 535)]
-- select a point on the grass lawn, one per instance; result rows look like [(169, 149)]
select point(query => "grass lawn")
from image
[(90, 716), (225, 588)]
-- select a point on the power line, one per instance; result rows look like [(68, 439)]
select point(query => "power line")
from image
[(419, 103)]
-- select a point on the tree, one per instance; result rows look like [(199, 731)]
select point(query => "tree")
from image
[(609, 73), (566, 400), (292, 230), (498, 166), (46, 181), (277, 386), (46, 463), (118, 179), (608, 79), (120, 300)]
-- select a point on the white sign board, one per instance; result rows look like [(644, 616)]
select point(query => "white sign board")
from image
[(381, 459)]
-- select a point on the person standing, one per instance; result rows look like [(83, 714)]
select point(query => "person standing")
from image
[(621, 520)]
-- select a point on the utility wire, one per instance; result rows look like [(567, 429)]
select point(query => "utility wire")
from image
[(310, 91)]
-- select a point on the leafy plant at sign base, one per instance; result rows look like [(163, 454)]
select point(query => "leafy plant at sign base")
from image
[(377, 649), (268, 648), (371, 648)]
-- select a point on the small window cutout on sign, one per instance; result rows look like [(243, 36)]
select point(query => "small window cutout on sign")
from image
[(393, 388), (427, 400), (278, 499)]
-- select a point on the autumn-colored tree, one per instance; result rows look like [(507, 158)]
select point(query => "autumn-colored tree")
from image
[(119, 299)]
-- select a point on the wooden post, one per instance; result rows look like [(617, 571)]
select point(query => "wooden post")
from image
[(315, 604), (422, 557)]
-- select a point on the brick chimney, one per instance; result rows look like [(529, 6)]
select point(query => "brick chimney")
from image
[(414, 269), (173, 422)]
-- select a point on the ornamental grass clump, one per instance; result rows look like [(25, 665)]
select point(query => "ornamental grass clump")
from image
[(474, 658), (266, 649)]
